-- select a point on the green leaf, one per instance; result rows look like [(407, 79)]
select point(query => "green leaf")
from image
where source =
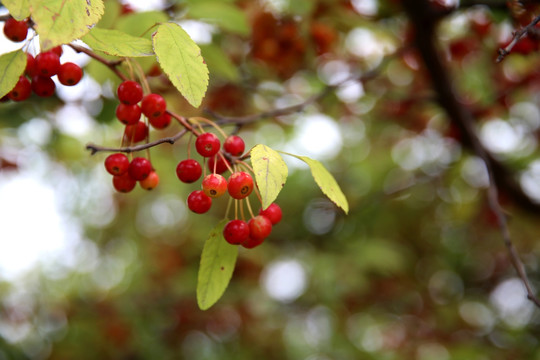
[(19, 9), (227, 16), (118, 43), (270, 172), (11, 68), (139, 24), (60, 21), (326, 182), (219, 63), (180, 58), (217, 264)]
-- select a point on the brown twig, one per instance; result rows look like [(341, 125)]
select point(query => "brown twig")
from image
[(113, 65), (518, 35), (129, 149), (420, 15)]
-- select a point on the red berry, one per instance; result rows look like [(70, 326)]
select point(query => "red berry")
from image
[(136, 133), (151, 181), (22, 89), (139, 168), (214, 185), (220, 166), (273, 213), (130, 92), (188, 170), (57, 50), (236, 232), (234, 145), (30, 69), (117, 164), (128, 114), (123, 183), (240, 185), (250, 242), (47, 64), (160, 122), (43, 86), (153, 105), (199, 202), (69, 74), (207, 144), (259, 227), (15, 30)]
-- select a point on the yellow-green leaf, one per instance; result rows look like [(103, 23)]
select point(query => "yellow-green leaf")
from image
[(326, 182), (270, 172), (60, 21), (217, 264), (11, 68), (118, 43), (19, 9), (181, 59), (227, 16)]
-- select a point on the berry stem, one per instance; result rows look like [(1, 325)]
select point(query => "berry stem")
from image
[(225, 162), (113, 65), (183, 121), (249, 207), (229, 205), (199, 119)]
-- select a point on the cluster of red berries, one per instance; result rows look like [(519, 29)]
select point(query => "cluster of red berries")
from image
[(128, 112), (239, 185), (39, 71), (126, 173)]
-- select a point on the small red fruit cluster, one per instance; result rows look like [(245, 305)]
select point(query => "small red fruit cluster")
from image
[(39, 71), (126, 173), (128, 112), (239, 185)]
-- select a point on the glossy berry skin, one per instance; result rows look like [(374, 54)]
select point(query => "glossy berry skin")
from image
[(259, 227), (47, 64), (199, 202), (251, 243), (43, 86), (130, 92), (188, 171), (139, 168), (236, 232), (69, 74), (123, 183), (214, 185), (14, 30), (128, 114), (240, 185), (160, 122), (153, 105), (273, 213), (207, 144), (136, 133), (234, 145), (30, 68), (151, 181), (57, 50), (117, 164), (22, 90), (220, 166)]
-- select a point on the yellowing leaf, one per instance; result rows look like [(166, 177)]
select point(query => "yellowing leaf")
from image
[(180, 58), (19, 9), (217, 264), (326, 182), (117, 43), (270, 172), (61, 21), (11, 68)]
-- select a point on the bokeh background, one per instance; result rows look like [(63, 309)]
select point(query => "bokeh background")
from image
[(417, 269)]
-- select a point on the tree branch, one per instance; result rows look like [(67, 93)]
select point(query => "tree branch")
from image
[(518, 35), (420, 15), (129, 149), (113, 65)]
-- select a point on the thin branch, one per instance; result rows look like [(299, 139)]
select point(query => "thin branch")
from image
[(518, 35), (420, 15), (113, 65), (129, 149)]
